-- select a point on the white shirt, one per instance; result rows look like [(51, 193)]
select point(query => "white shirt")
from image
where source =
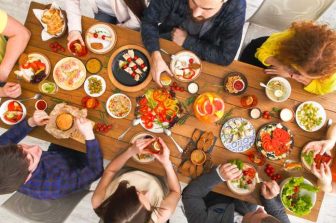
[(105, 6)]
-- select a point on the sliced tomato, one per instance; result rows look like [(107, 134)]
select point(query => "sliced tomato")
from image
[(25, 66), (143, 101), (160, 109), (149, 125)]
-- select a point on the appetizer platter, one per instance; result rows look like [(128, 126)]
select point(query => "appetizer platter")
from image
[(238, 135), (34, 67), (278, 89), (235, 83), (69, 73), (196, 157), (308, 159), (310, 116), (95, 86), (100, 38), (298, 195), (245, 184), (209, 107), (129, 67), (118, 105), (185, 66), (274, 141), (52, 20), (158, 109), (143, 157), (12, 112)]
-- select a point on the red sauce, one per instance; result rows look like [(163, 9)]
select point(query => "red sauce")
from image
[(238, 85), (41, 105)]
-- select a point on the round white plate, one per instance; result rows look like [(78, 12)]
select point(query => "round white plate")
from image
[(86, 86), (321, 113), (184, 56), (108, 102), (135, 157), (3, 109), (101, 29), (241, 191)]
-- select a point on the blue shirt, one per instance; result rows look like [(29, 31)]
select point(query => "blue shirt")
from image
[(55, 176)]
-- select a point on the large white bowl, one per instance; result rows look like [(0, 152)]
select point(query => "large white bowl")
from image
[(3, 109), (285, 83), (108, 102)]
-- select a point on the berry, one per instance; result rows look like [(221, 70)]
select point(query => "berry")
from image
[(191, 60)]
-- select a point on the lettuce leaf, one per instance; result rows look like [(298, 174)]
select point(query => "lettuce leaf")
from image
[(238, 163), (309, 158)]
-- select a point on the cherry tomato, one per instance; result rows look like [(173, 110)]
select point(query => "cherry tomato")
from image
[(95, 35)]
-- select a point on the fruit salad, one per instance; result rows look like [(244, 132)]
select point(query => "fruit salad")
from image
[(209, 107)]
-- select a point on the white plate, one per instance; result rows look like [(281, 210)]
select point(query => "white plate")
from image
[(241, 191), (135, 157), (86, 86), (103, 29), (287, 85), (108, 102), (321, 113), (155, 129), (302, 192), (3, 109), (184, 56)]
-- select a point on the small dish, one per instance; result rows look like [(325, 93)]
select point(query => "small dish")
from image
[(278, 89), (41, 105), (235, 83), (93, 65), (198, 157), (95, 86)]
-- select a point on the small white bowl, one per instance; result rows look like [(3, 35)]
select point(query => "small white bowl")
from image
[(86, 86), (3, 109), (285, 83), (108, 103)]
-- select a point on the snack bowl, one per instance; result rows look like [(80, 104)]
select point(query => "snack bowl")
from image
[(198, 157), (278, 89)]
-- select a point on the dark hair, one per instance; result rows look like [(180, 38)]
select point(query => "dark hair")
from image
[(123, 206), (13, 168), (270, 219), (312, 48)]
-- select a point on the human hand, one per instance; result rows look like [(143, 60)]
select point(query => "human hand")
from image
[(280, 71), (163, 157), (270, 189), (85, 127), (11, 90), (158, 66), (229, 171), (39, 118), (324, 175), (139, 145), (179, 36), (73, 36), (301, 79), (320, 147)]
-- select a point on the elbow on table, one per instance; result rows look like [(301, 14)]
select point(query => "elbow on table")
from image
[(25, 35)]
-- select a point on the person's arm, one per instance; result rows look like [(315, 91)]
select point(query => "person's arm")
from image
[(16, 133), (270, 199), (231, 34), (114, 166), (74, 17), (156, 12), (168, 205), (18, 37)]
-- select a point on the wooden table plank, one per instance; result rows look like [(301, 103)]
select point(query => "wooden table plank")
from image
[(210, 80)]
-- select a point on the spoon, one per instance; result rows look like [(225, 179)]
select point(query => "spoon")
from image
[(169, 133), (135, 122), (277, 93), (36, 97)]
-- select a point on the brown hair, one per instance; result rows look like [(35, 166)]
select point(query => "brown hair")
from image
[(123, 206), (312, 48), (13, 168)]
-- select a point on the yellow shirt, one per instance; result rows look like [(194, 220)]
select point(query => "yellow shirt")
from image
[(271, 48), (3, 24)]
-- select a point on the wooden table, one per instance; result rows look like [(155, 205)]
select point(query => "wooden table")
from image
[(209, 80)]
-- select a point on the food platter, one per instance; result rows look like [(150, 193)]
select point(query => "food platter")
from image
[(34, 67), (12, 112), (209, 107), (158, 110), (235, 83), (145, 157), (129, 68), (298, 195), (185, 66), (310, 116), (118, 105), (100, 38), (247, 182), (95, 86), (274, 141), (309, 158), (238, 135), (69, 73)]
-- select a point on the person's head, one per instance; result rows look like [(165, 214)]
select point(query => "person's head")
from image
[(17, 162), (311, 51), (126, 204), (202, 10), (259, 216)]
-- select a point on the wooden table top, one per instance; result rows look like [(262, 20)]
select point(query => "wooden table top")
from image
[(210, 79)]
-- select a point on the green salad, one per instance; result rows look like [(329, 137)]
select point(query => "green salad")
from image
[(309, 117), (295, 201), (309, 158)]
